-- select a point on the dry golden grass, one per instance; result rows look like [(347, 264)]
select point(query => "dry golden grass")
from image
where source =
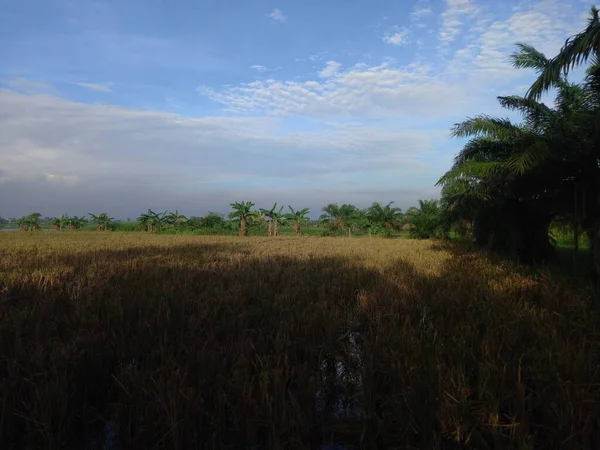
[(153, 341)]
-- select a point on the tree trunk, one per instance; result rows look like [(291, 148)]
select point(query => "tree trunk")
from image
[(243, 231), (297, 228), (269, 228), (575, 230), (276, 229)]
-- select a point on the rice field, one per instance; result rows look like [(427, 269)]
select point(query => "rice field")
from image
[(143, 341)]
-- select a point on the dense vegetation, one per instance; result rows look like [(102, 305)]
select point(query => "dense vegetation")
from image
[(511, 181), (378, 219)]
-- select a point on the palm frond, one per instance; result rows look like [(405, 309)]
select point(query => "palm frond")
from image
[(472, 169), (528, 57), (535, 114), (532, 157), (485, 125), (576, 50)]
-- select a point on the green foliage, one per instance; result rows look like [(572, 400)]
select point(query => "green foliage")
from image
[(426, 220), (297, 218), (30, 222), (102, 220), (242, 211), (384, 217), (510, 181)]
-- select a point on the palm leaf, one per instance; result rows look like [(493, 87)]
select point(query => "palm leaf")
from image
[(528, 57)]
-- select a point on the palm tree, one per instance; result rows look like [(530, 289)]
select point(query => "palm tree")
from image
[(509, 180), (386, 216), (102, 221), (273, 216), (297, 218), (425, 220), (579, 49), (339, 217), (242, 211)]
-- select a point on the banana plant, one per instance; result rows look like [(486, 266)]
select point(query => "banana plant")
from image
[(273, 217), (102, 221), (297, 218), (176, 219)]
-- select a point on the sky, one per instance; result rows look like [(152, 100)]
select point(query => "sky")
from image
[(123, 105)]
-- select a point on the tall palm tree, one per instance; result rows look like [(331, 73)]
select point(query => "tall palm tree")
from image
[(386, 216), (584, 47), (510, 180), (297, 217), (102, 221), (242, 211)]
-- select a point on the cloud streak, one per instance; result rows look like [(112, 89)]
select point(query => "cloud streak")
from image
[(95, 87)]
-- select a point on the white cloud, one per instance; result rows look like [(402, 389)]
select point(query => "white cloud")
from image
[(330, 69), (398, 38), (359, 91), (277, 16), (452, 19), (68, 180), (95, 87), (421, 9), (545, 26), (259, 68), (421, 12)]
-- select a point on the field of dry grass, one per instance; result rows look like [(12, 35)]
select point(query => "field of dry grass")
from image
[(140, 341)]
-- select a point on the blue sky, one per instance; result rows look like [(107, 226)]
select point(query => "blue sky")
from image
[(121, 105)]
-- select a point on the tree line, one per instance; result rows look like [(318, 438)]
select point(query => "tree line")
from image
[(511, 181), (423, 221)]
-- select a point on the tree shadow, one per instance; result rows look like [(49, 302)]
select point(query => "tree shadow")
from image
[(207, 346)]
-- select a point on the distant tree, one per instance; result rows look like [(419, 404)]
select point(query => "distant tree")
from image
[(77, 222), (426, 220), (146, 220), (338, 217), (30, 222), (297, 218), (271, 216), (242, 211), (386, 216), (176, 219), (213, 220), (102, 221), (160, 220), (58, 222)]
